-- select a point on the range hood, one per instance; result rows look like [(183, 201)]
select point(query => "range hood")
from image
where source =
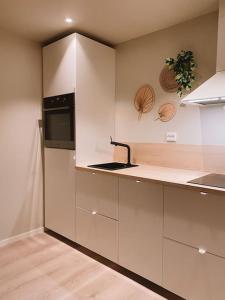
[(212, 91)]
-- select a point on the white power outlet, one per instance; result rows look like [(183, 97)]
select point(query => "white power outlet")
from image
[(171, 136)]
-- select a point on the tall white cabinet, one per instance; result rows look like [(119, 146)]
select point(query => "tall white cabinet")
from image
[(87, 68), (95, 101)]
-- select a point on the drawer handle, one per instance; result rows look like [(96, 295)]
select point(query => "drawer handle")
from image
[(202, 251), (203, 193), (138, 181), (93, 173), (94, 212)]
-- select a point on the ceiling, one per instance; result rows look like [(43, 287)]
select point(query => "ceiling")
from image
[(112, 21)]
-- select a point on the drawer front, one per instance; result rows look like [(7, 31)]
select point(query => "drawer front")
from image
[(195, 218), (97, 192), (141, 227), (97, 233), (192, 275)]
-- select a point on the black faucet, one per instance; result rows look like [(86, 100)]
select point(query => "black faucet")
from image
[(122, 145)]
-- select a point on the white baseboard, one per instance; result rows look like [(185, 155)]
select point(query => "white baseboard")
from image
[(21, 236)]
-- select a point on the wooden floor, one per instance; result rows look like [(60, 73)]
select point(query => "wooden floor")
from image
[(42, 268)]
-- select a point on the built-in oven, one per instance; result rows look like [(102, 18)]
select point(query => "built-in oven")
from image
[(59, 121)]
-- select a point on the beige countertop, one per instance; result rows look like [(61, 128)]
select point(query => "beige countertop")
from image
[(169, 176)]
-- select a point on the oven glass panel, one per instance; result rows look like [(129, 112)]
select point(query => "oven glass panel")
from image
[(58, 126)]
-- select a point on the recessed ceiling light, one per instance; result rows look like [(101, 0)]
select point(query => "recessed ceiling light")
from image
[(68, 20)]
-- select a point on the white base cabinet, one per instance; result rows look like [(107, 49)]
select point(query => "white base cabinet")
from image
[(97, 233), (195, 218), (60, 191), (172, 236), (192, 275), (194, 247), (98, 193), (97, 213), (141, 227)]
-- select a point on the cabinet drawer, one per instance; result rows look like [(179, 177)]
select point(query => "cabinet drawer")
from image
[(97, 233), (97, 192), (141, 227), (192, 275), (195, 218)]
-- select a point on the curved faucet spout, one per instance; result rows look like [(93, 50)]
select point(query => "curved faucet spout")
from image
[(122, 145)]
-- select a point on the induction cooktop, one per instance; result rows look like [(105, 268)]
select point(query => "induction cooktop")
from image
[(217, 180)]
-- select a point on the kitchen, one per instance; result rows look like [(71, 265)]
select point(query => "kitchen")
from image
[(73, 83)]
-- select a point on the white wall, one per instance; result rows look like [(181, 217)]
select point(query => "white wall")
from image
[(140, 61), (213, 125), (20, 155)]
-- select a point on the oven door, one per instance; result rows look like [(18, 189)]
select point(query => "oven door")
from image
[(59, 128)]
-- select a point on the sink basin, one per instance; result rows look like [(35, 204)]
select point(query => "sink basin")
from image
[(112, 166)]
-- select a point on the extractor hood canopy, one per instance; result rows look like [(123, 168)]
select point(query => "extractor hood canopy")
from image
[(213, 90)]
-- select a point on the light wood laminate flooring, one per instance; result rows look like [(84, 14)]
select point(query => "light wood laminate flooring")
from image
[(41, 267)]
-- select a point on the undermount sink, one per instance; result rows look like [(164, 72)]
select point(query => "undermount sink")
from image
[(112, 166)]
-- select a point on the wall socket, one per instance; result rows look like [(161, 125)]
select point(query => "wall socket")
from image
[(171, 136)]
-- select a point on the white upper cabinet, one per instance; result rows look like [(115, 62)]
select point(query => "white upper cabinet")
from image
[(59, 67)]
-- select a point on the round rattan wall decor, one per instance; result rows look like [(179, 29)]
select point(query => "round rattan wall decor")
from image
[(144, 99), (166, 112), (167, 80)]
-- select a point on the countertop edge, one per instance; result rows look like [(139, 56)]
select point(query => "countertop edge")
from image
[(154, 180)]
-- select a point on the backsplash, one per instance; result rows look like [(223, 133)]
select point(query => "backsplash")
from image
[(209, 158)]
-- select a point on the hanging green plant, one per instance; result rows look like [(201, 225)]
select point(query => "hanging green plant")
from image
[(183, 67)]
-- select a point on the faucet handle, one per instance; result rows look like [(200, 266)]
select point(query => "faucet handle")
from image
[(110, 139)]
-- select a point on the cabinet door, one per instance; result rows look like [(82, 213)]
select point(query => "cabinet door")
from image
[(60, 191), (59, 67), (140, 227), (97, 233), (195, 218), (192, 275), (97, 192), (95, 101)]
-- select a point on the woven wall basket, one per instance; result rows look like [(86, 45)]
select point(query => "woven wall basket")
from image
[(166, 112), (144, 99), (167, 80)]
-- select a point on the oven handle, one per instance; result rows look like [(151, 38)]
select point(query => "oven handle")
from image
[(57, 108)]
